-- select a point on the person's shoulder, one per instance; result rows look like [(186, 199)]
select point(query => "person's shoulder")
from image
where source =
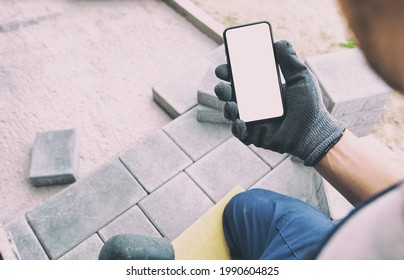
[(374, 230)]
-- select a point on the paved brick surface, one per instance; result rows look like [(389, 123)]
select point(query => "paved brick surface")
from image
[(206, 93), (296, 159), (131, 222), (294, 179), (231, 164), (80, 210), (206, 114), (89, 249), (156, 160), (177, 94), (218, 56), (55, 158), (176, 205), (270, 157), (196, 138), (25, 240)]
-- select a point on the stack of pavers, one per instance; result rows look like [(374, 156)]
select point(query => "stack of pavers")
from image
[(352, 92), (193, 86), (211, 108), (204, 81)]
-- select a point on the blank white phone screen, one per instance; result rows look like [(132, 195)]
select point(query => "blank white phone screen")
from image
[(254, 72)]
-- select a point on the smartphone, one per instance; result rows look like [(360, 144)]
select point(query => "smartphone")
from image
[(254, 72)]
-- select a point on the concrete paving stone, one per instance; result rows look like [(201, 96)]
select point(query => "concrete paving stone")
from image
[(77, 212), (206, 93), (218, 56), (176, 205), (338, 206), (177, 94), (55, 158), (296, 159), (132, 221), (369, 117), (206, 114), (199, 18), (89, 249), (376, 102), (296, 180), (270, 157), (345, 76), (229, 165), (196, 138), (362, 130), (351, 67), (349, 119), (210, 101), (155, 160), (347, 107), (25, 240)]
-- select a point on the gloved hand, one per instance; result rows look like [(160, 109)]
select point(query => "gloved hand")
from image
[(306, 130)]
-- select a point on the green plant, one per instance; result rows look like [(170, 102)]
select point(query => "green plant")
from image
[(350, 44)]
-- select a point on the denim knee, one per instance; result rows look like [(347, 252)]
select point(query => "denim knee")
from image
[(261, 224), (251, 199)]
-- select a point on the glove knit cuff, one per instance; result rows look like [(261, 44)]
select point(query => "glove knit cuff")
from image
[(336, 129)]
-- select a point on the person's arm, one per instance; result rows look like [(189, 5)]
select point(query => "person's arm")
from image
[(357, 170)]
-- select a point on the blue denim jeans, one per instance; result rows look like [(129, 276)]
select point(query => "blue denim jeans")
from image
[(261, 224)]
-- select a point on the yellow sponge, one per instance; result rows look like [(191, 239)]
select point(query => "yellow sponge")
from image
[(204, 239)]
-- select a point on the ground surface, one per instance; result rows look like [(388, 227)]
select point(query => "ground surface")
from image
[(314, 27), (88, 65)]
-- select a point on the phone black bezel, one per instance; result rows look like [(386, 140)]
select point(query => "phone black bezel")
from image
[(234, 98)]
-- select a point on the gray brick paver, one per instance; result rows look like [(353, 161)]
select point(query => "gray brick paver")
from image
[(89, 249), (27, 243), (80, 210), (177, 94), (231, 164), (176, 205), (196, 138), (155, 160), (131, 222), (296, 180), (55, 158)]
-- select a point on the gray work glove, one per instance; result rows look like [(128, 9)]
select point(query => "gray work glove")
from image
[(306, 130)]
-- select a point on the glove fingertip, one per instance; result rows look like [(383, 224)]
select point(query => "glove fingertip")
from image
[(223, 91), (291, 65), (230, 111), (222, 72), (283, 44), (239, 130)]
